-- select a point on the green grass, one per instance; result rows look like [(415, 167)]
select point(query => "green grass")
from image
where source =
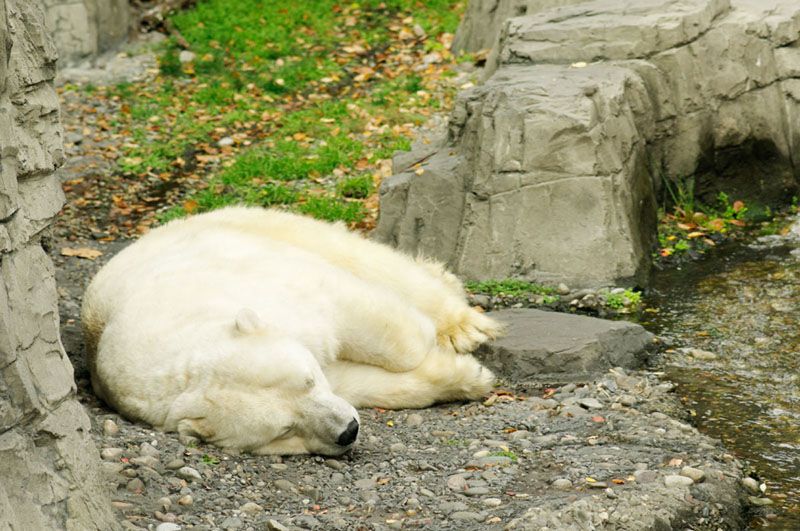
[(311, 132), (618, 301), (509, 287), (506, 453)]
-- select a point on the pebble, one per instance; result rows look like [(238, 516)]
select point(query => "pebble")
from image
[(366, 483), (464, 516), (278, 466), (251, 508), (284, 485), (476, 491), (225, 141), (231, 522), (189, 474), (492, 502), (175, 464), (645, 476), (562, 484), (674, 480), (334, 464), (145, 460), (751, 485), (597, 484), (186, 56), (760, 501), (147, 449), (136, 486), (165, 517), (398, 448), (168, 526), (111, 454), (562, 289), (274, 525), (110, 428), (628, 400), (186, 500), (414, 419), (695, 474), (165, 503), (590, 403), (457, 483), (702, 355)]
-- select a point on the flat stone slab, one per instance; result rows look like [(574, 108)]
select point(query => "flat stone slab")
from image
[(539, 343)]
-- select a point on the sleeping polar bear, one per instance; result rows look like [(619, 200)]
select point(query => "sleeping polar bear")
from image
[(260, 331)]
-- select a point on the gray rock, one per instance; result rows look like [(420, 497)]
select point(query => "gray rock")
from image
[(751, 485), (466, 516), (231, 522), (87, 27), (284, 485), (189, 474), (251, 508), (175, 464), (539, 343), (590, 403), (168, 526), (760, 502), (697, 475), (274, 525), (111, 454), (146, 449), (414, 419), (146, 460), (110, 428), (135, 486), (674, 480), (562, 484)]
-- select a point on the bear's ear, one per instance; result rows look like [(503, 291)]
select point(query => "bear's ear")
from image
[(248, 321)]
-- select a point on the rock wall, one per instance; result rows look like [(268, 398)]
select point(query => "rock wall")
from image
[(550, 170), (48, 463), (85, 28)]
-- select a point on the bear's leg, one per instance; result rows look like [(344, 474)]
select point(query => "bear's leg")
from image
[(424, 284), (444, 376), (376, 327)]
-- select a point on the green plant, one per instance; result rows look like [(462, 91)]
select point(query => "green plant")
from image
[(506, 453), (625, 299), (210, 459), (358, 187), (332, 209), (509, 287)]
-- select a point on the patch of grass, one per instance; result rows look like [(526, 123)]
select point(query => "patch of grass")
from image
[(506, 453), (509, 287), (210, 459), (359, 187), (626, 299), (455, 443), (332, 209)]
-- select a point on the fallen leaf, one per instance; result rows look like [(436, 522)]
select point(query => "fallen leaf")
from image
[(82, 252), (738, 205), (695, 234), (616, 481), (676, 461), (598, 418)]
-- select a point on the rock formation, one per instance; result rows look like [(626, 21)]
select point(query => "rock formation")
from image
[(85, 28), (551, 169), (48, 463)]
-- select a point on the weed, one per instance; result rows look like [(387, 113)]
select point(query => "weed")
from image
[(210, 460), (509, 287), (625, 299), (358, 187), (332, 209), (506, 453)]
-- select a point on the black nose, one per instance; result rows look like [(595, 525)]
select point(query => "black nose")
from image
[(349, 435)]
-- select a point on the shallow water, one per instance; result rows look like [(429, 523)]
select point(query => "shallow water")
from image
[(742, 306)]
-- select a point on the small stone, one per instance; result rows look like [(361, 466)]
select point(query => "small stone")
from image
[(397, 448), (562, 484), (702, 355), (562, 289), (519, 434), (414, 419), (186, 56), (165, 503), (279, 466), (590, 403), (284, 485), (334, 464), (147, 449), (110, 428), (674, 480), (112, 469), (465, 516), (476, 491), (136, 486), (274, 525), (695, 474), (426, 492), (610, 494), (627, 400), (186, 500), (366, 483), (597, 484), (111, 454), (231, 522), (761, 502), (751, 485), (492, 502), (225, 141), (481, 453), (457, 483), (251, 508), (175, 464), (189, 474), (146, 460), (168, 526), (165, 517)]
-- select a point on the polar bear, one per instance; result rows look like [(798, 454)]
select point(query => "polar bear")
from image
[(260, 330)]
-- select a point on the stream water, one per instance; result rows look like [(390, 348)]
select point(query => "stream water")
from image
[(742, 306)]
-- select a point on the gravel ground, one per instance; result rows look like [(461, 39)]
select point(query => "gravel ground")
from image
[(601, 454), (607, 453)]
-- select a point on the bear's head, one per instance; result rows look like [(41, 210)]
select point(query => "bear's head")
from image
[(268, 395)]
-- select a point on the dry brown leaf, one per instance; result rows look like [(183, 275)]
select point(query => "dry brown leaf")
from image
[(82, 252)]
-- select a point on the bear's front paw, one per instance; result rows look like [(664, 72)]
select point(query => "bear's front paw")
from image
[(465, 334)]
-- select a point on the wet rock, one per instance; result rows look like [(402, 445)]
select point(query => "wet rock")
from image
[(751, 485), (537, 343), (760, 502), (110, 428)]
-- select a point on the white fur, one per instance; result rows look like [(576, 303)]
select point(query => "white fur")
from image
[(260, 330)]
